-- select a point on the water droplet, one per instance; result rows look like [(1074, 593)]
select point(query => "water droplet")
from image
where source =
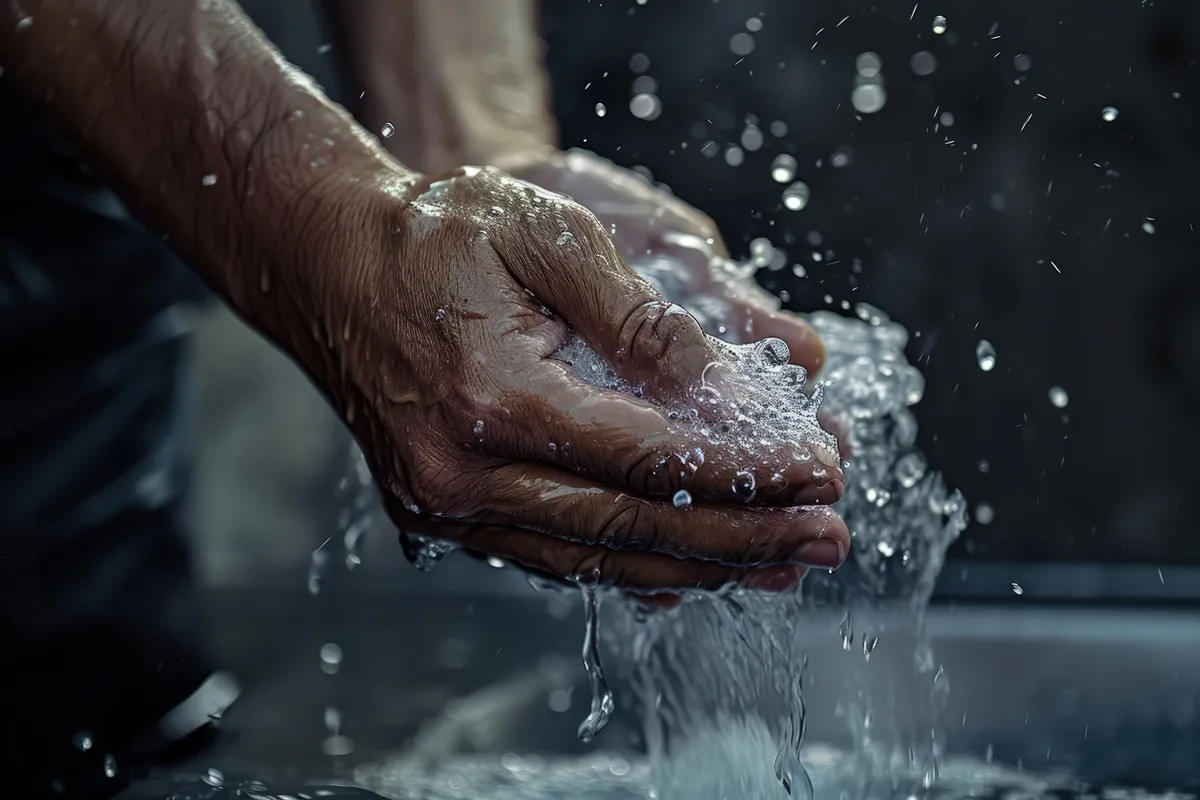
[(868, 64), (752, 138), (110, 767), (645, 106), (985, 355), (387, 130), (82, 741), (331, 658), (423, 552), (869, 645), (439, 315), (682, 499), (939, 25), (477, 428), (1022, 62), (910, 468), (754, 24), (984, 466), (495, 563), (213, 777), (1110, 114), (923, 63), (601, 109), (868, 98), (741, 44), (1016, 587), (795, 197), (1058, 397), (779, 128), (639, 62), (984, 513), (734, 155), (1148, 226), (783, 168), (23, 23), (208, 180), (846, 631), (744, 485)]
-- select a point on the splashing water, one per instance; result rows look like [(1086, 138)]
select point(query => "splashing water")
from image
[(720, 679)]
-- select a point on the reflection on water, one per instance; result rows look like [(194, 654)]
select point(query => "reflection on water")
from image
[(608, 777)]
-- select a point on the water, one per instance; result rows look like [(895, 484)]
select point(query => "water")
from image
[(602, 697)]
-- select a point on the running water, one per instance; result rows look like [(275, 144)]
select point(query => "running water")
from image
[(720, 680)]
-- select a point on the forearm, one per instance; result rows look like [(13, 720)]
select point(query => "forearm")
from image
[(460, 81), (207, 134)]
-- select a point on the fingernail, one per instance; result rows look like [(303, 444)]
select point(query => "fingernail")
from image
[(773, 579), (821, 553), (820, 494)]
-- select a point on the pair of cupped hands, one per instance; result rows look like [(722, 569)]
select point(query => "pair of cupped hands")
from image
[(477, 434)]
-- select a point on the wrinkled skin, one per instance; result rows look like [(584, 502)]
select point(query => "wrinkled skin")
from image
[(477, 434)]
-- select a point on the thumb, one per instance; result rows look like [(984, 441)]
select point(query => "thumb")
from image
[(648, 341)]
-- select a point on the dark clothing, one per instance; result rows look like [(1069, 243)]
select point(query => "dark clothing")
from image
[(96, 608)]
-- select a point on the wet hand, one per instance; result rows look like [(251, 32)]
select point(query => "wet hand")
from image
[(646, 221), (464, 288)]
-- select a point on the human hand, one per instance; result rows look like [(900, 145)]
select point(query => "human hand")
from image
[(459, 292), (645, 222)]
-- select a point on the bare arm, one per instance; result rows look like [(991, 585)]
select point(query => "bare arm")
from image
[(461, 81), (210, 136)]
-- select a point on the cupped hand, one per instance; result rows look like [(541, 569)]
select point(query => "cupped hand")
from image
[(476, 432), (646, 221)]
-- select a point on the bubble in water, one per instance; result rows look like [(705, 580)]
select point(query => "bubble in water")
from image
[(868, 64), (682, 499), (783, 168), (745, 486), (1017, 590), (331, 658), (110, 767), (645, 106), (923, 63), (795, 197), (984, 513), (213, 777), (1110, 114), (741, 44), (939, 25), (1058, 397), (868, 98), (387, 130), (601, 109), (82, 741), (985, 355)]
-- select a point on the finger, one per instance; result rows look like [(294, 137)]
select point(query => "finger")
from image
[(627, 443), (648, 341), (572, 507), (645, 574), (755, 322)]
